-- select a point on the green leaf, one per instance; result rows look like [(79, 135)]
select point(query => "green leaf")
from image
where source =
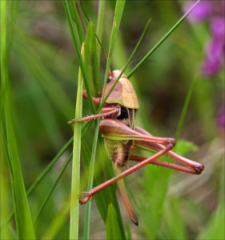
[(116, 24), (100, 24), (23, 219), (185, 108), (175, 228), (77, 22), (129, 235), (42, 75), (112, 225), (91, 64), (183, 147), (215, 228), (57, 223), (77, 49), (75, 186), (48, 195), (151, 51), (91, 61), (4, 191)]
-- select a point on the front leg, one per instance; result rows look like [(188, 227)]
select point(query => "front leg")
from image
[(106, 112), (96, 101)]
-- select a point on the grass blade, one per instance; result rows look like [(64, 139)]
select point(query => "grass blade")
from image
[(100, 24), (77, 22), (162, 39), (91, 63), (57, 223), (43, 76), (116, 24), (215, 227), (185, 107), (48, 195), (24, 224), (77, 49), (128, 61), (75, 186), (112, 227), (4, 191)]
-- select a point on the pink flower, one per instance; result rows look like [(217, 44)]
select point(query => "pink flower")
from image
[(212, 11), (214, 56), (201, 12), (221, 118)]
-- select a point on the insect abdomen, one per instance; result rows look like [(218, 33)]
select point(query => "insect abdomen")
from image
[(119, 151)]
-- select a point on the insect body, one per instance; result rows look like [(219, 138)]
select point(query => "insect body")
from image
[(121, 136)]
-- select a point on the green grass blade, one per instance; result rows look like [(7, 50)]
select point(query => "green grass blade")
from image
[(128, 61), (77, 22), (172, 215), (91, 63), (185, 108), (4, 190), (215, 228), (75, 186), (120, 4), (45, 172), (24, 224), (100, 24), (129, 235), (90, 184), (162, 39), (43, 76), (48, 195), (58, 221), (112, 227), (49, 167), (77, 49)]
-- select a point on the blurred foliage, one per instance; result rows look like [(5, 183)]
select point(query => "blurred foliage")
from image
[(43, 75)]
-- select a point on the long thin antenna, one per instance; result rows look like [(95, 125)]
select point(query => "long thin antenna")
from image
[(80, 15)]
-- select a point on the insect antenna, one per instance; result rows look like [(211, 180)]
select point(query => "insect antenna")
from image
[(80, 15)]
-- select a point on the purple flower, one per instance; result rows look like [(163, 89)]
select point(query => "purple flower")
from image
[(212, 11), (218, 27), (201, 12), (214, 56), (221, 118)]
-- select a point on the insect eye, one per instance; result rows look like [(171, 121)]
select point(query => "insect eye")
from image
[(109, 79)]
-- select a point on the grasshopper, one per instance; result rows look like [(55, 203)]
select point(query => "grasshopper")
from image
[(121, 136)]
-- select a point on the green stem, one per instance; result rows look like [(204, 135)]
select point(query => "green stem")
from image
[(75, 186), (185, 107), (162, 39)]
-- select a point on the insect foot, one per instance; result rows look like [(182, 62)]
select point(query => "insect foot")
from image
[(85, 198), (171, 142), (199, 168)]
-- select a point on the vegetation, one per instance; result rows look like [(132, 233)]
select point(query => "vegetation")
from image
[(43, 71)]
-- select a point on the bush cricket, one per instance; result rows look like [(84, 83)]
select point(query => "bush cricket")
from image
[(121, 136)]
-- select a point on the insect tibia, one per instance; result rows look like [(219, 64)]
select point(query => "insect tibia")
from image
[(123, 192)]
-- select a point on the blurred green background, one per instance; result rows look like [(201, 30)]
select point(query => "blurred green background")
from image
[(43, 78)]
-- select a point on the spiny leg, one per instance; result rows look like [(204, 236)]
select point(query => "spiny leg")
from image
[(197, 167), (106, 112), (125, 173), (96, 101), (115, 130), (125, 198), (165, 164)]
